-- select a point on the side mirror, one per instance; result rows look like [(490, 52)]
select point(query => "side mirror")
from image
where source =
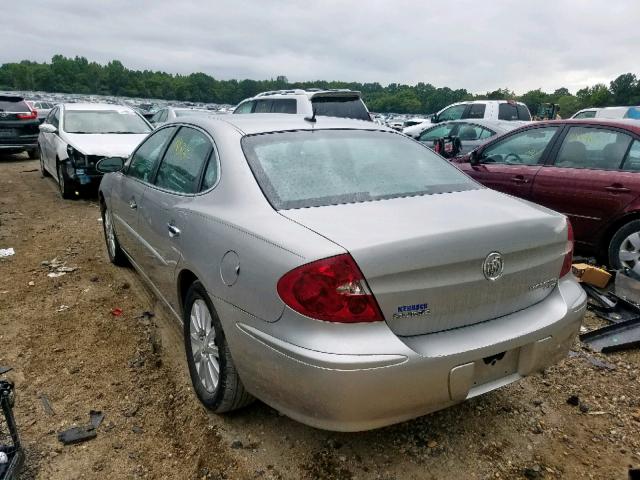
[(474, 158), (110, 164), (434, 118), (47, 128)]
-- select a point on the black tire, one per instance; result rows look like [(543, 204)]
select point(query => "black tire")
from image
[(33, 154), (229, 393), (617, 241), (65, 184), (115, 252)]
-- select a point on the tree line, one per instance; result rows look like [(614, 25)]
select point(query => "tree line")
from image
[(78, 75)]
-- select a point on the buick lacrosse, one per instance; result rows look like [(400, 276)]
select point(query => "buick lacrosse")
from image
[(337, 270)]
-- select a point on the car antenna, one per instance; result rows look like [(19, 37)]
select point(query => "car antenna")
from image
[(312, 118)]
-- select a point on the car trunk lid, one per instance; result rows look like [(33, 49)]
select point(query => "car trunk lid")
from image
[(423, 256)]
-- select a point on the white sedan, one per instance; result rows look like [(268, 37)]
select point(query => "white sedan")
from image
[(75, 136)]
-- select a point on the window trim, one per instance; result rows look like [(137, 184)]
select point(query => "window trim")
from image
[(213, 149), (551, 161)]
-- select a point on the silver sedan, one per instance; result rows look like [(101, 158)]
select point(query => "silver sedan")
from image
[(337, 270)]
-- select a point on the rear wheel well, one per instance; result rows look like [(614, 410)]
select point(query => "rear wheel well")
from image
[(185, 280), (611, 231)]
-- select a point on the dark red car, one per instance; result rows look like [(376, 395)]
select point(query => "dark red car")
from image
[(587, 169)]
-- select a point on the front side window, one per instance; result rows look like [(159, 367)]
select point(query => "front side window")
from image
[(452, 113), (437, 132), (244, 108), (262, 106), (507, 111), (186, 155), (104, 121), (476, 110), (325, 167), (523, 148), (469, 132), (144, 160), (53, 117), (589, 147)]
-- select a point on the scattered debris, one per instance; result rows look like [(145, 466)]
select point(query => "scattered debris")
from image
[(147, 314), (30, 170), (627, 285), (46, 405), (573, 400), (31, 283), (11, 447), (82, 434), (116, 312), (76, 435), (62, 308), (7, 252), (57, 268), (591, 275), (634, 473), (612, 338), (55, 274)]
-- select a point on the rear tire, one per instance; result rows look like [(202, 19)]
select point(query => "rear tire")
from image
[(65, 184), (114, 251), (624, 248), (206, 347)]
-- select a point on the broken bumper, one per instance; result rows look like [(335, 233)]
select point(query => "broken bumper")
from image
[(362, 376)]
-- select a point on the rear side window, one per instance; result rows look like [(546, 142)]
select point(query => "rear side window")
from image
[(345, 107), (283, 105), (632, 162), (523, 148), (143, 162), (476, 110), (262, 106), (596, 148), (211, 174), (325, 167), (180, 168), (508, 111), (12, 106), (469, 132)]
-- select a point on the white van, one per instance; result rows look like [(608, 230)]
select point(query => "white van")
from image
[(609, 112)]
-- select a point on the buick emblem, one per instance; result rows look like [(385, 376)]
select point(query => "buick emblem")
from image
[(493, 266)]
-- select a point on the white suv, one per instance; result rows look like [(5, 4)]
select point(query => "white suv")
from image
[(476, 109), (329, 103)]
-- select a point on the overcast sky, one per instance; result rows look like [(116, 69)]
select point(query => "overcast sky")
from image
[(468, 44)]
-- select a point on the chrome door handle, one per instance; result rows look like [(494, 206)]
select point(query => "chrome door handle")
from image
[(617, 188), (173, 230), (133, 204), (519, 179)]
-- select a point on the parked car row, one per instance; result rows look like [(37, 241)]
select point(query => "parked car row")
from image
[(18, 126), (587, 169)]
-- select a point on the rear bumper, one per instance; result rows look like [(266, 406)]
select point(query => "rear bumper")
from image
[(385, 379)]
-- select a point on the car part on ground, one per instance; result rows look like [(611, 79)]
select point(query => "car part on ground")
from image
[(305, 302)]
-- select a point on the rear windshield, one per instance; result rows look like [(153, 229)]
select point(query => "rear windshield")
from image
[(326, 167), (12, 106), (104, 121), (346, 107)]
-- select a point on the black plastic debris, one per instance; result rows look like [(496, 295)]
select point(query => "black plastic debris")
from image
[(11, 453), (82, 433), (634, 474), (613, 338)]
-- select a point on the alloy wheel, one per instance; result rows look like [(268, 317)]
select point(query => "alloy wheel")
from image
[(205, 352), (111, 236), (629, 253)]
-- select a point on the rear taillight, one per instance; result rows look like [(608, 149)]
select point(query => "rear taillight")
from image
[(568, 258), (32, 115), (332, 289)]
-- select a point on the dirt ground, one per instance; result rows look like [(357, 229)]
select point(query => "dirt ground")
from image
[(65, 344)]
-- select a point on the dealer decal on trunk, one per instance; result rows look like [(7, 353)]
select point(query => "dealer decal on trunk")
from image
[(407, 311)]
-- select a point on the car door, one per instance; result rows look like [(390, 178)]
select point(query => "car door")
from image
[(129, 189), (584, 178), (439, 131), (162, 214), (455, 112), (48, 143), (510, 164)]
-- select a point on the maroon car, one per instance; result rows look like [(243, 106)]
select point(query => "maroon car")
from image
[(587, 169)]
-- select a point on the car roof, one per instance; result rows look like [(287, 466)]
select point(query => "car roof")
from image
[(255, 123), (624, 123), (96, 106)]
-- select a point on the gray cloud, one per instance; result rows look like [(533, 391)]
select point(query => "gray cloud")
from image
[(457, 43)]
